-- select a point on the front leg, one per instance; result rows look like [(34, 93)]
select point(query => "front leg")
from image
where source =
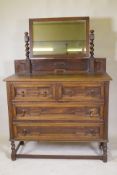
[(13, 153), (104, 152)]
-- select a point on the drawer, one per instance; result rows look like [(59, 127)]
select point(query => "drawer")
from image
[(33, 91), (82, 91), (58, 112), (58, 132), (57, 91)]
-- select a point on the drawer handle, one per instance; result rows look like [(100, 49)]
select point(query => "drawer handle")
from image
[(92, 92), (22, 93), (93, 112), (23, 112), (25, 132), (91, 131), (43, 92)]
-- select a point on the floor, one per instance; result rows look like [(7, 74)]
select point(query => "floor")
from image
[(57, 167)]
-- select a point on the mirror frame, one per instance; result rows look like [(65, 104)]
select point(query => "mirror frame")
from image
[(76, 55)]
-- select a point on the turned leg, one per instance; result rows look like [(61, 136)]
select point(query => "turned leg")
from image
[(104, 152), (13, 153)]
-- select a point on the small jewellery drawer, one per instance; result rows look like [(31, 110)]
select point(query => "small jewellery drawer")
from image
[(82, 91), (58, 131), (58, 111), (32, 91)]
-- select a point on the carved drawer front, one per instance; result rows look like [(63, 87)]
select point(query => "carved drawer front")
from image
[(80, 91), (58, 112), (32, 91), (58, 132)]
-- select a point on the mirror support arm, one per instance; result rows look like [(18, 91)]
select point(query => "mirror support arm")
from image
[(27, 52), (91, 42)]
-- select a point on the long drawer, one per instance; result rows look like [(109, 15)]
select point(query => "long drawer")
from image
[(58, 131), (57, 91), (58, 111)]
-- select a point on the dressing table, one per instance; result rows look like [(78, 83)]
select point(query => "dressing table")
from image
[(59, 93)]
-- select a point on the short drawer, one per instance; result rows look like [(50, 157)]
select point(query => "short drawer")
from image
[(58, 112), (82, 91), (58, 132), (32, 91)]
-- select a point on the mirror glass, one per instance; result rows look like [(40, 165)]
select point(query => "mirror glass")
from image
[(59, 36)]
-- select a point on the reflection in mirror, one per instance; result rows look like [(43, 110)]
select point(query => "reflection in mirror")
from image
[(59, 37)]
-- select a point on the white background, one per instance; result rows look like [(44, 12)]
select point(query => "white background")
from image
[(14, 15)]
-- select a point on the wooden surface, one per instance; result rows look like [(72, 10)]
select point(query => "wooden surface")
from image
[(76, 77)]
